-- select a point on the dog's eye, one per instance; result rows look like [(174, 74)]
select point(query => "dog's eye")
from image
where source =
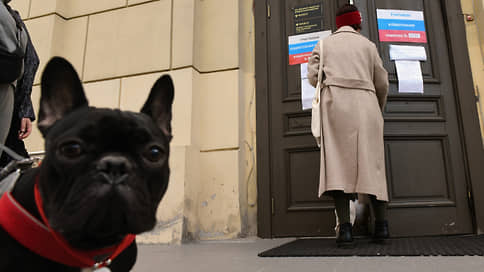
[(154, 154), (71, 149)]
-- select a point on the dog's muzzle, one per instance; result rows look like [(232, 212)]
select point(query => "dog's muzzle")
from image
[(114, 169)]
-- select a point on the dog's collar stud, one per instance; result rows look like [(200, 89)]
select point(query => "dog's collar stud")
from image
[(102, 266), (101, 269)]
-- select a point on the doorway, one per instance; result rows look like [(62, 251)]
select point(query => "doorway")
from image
[(427, 160)]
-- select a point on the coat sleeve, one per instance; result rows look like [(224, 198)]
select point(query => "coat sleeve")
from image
[(313, 66), (380, 79), (23, 92)]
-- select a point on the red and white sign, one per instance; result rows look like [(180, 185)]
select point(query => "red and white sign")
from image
[(301, 46), (401, 26)]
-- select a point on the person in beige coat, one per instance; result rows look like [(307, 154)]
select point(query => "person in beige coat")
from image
[(353, 95)]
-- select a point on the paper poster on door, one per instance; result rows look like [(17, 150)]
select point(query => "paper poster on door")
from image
[(301, 46), (407, 61), (401, 26), (307, 91), (409, 76), (406, 52)]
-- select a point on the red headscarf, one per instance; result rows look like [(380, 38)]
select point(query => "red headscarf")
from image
[(350, 18)]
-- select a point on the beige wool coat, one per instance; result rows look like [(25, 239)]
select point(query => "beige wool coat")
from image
[(353, 93)]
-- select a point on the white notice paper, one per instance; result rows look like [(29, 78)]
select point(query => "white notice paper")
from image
[(409, 76), (404, 52), (307, 91)]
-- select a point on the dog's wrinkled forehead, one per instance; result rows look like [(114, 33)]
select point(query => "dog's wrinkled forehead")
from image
[(107, 127)]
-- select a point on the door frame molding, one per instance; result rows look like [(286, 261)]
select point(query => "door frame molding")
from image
[(264, 203), (468, 116), (467, 113)]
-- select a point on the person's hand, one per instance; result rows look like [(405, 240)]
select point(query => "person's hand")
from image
[(25, 128)]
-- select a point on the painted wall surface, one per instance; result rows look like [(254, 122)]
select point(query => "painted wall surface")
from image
[(475, 43), (120, 47)]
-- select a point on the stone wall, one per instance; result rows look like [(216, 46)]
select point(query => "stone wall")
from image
[(120, 47)]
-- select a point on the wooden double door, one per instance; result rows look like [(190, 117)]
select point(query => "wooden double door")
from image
[(424, 148)]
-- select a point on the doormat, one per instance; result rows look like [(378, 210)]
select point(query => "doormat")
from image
[(469, 245)]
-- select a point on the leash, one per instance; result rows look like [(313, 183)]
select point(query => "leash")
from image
[(11, 153), (18, 162)]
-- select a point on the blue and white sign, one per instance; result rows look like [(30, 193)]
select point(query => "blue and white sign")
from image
[(301, 46), (401, 26)]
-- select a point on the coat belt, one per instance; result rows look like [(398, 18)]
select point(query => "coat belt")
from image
[(350, 83)]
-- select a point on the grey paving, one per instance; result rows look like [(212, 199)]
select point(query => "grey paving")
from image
[(241, 255)]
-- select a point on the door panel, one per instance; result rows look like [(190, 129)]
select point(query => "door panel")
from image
[(295, 163), (407, 172), (423, 145), (424, 151)]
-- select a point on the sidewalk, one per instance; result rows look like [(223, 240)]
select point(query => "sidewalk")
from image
[(241, 256)]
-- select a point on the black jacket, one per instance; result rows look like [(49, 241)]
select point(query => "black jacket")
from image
[(23, 103)]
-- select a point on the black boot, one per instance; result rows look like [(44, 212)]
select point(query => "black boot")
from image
[(381, 231), (345, 237)]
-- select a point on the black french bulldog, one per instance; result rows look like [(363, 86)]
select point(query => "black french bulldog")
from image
[(103, 175)]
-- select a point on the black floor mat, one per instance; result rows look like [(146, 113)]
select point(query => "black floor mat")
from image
[(470, 245)]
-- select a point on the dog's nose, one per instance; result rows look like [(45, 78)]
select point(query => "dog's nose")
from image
[(114, 168)]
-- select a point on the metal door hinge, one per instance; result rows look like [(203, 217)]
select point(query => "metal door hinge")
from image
[(273, 210), (470, 199), (268, 11), (477, 94)]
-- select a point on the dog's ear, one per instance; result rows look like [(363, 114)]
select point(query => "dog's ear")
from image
[(158, 105), (61, 93)]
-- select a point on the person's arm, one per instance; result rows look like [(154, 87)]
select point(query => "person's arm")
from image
[(380, 79), (313, 66), (24, 89), (25, 111)]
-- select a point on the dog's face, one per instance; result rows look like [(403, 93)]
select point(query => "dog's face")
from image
[(105, 171)]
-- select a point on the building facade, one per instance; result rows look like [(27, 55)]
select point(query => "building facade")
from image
[(120, 47), (473, 11)]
